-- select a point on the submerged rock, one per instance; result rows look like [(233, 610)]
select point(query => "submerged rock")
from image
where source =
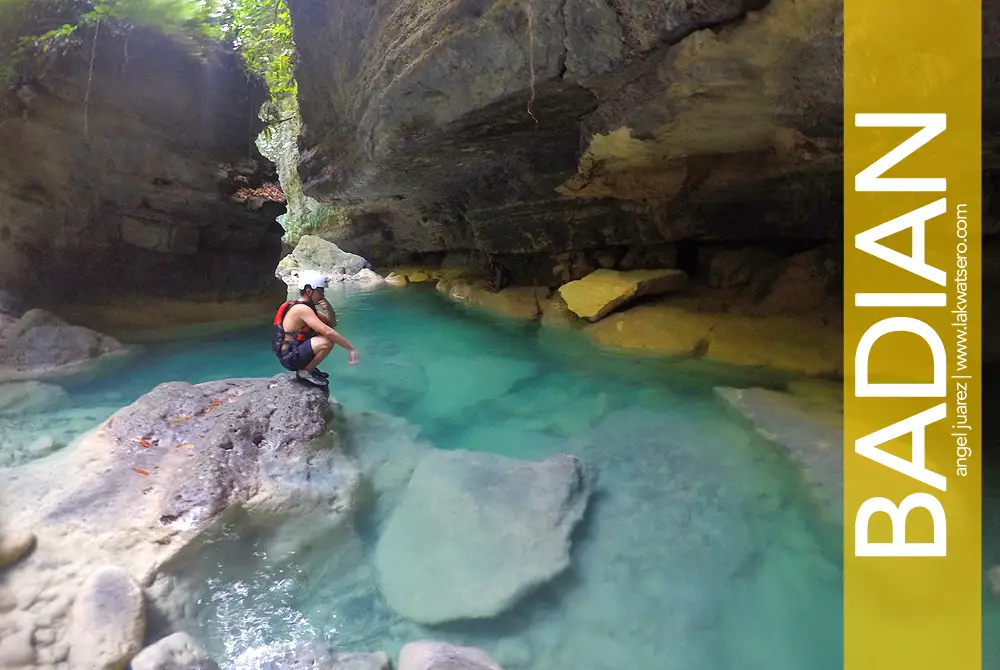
[(29, 396), (298, 656), (387, 449), (812, 437), (806, 344), (475, 532), (427, 655), (108, 621), (40, 343), (179, 651), (669, 537), (603, 291), (519, 302)]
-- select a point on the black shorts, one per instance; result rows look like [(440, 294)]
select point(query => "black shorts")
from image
[(295, 356)]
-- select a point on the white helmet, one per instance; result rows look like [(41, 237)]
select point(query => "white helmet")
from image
[(311, 279)]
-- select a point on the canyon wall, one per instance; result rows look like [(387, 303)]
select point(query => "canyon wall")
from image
[(517, 127), (135, 173)]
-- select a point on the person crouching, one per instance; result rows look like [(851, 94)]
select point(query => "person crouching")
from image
[(303, 336)]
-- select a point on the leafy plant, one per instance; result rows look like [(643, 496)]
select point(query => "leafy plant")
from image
[(260, 30)]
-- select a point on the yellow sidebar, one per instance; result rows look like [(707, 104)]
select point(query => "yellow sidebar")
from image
[(912, 341)]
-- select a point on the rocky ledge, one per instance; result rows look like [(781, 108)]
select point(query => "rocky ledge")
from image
[(749, 307), (91, 561)]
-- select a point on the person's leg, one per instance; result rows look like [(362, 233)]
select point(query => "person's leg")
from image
[(321, 348)]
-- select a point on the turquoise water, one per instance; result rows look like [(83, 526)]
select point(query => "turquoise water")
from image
[(700, 552)]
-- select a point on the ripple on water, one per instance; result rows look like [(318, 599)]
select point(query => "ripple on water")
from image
[(700, 551)]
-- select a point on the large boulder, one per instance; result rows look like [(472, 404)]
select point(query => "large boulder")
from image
[(603, 291), (175, 469), (40, 343), (108, 621), (475, 532), (316, 254), (165, 469), (810, 344), (428, 655)]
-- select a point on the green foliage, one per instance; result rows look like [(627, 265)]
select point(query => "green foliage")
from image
[(260, 30), (45, 26)]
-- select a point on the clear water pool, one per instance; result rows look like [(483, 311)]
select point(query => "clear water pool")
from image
[(701, 551)]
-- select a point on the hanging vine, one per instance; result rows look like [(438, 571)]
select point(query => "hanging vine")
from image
[(530, 9), (260, 30)]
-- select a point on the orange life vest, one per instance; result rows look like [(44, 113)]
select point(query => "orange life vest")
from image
[(301, 335)]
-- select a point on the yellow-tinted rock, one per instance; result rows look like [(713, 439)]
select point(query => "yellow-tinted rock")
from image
[(658, 329), (556, 313), (793, 343), (602, 291), (803, 344), (419, 274), (518, 302), (396, 279)]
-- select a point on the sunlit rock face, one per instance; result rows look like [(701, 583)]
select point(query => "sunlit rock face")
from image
[(523, 126), (145, 180)]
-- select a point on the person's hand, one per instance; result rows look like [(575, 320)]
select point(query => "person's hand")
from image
[(352, 357)]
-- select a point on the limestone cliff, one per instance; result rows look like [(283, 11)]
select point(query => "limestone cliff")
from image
[(517, 126), (279, 143), (137, 177)]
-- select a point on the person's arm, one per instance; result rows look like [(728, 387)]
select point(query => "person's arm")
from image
[(317, 324), (326, 313)]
